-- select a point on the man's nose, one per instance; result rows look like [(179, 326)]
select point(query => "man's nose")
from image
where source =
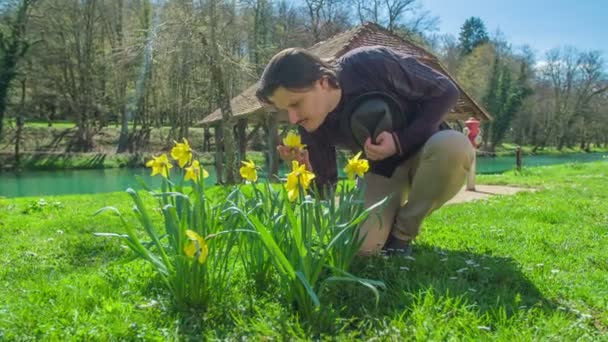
[(293, 116)]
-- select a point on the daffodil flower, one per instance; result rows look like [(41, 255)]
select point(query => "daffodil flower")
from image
[(196, 247), (182, 153), (298, 178), (160, 165), (356, 166), (193, 172), (248, 171), (293, 140)]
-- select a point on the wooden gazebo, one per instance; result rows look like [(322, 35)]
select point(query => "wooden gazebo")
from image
[(248, 110)]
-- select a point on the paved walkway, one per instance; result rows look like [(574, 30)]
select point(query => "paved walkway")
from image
[(485, 191)]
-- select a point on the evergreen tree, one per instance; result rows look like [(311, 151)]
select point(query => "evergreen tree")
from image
[(472, 34)]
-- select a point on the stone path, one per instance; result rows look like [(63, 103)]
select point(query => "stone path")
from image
[(485, 191)]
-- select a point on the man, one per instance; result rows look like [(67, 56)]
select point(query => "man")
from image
[(412, 155)]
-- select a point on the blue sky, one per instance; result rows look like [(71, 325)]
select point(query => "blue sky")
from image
[(542, 24)]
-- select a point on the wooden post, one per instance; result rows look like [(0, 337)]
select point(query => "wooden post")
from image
[(518, 161), (471, 175)]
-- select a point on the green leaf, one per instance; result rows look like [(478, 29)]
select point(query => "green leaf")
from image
[(143, 184), (277, 255), (309, 290), (369, 283)]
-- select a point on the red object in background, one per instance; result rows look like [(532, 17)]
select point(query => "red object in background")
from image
[(473, 130)]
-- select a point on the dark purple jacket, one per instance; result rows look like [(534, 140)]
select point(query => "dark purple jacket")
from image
[(424, 95)]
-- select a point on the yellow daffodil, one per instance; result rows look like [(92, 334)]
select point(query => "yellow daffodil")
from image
[(293, 140), (193, 172), (160, 165), (356, 166), (248, 171), (182, 153), (196, 246), (298, 178)]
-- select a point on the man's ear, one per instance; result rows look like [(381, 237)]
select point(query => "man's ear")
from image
[(324, 82)]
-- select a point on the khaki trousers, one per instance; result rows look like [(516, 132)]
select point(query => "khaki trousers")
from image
[(419, 186)]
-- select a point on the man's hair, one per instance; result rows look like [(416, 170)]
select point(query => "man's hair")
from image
[(294, 69)]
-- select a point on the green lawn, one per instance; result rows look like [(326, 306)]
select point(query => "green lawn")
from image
[(525, 267)]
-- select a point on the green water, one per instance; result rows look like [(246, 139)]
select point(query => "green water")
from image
[(45, 183)]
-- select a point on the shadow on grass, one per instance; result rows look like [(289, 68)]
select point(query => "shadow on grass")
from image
[(494, 284)]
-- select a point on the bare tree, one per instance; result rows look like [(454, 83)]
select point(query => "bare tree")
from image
[(214, 60), (404, 15), (575, 79)]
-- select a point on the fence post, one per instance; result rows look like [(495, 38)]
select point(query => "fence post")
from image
[(518, 159)]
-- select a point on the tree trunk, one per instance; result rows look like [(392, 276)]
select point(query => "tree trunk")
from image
[(19, 126), (214, 61)]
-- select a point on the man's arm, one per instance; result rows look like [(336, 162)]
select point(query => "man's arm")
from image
[(434, 93)]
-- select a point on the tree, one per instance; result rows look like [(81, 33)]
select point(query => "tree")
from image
[(214, 59), (504, 99), (574, 79), (392, 14), (13, 47), (476, 70), (472, 34)]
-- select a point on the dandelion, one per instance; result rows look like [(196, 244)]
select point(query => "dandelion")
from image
[(160, 165), (293, 140), (298, 178), (248, 171), (196, 247), (356, 166), (182, 153)]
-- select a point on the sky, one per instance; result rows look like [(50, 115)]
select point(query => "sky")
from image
[(542, 24)]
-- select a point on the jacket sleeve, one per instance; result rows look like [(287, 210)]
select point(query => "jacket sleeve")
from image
[(322, 159), (434, 93)]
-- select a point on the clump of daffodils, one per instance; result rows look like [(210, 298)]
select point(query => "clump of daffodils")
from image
[(191, 248), (182, 154)]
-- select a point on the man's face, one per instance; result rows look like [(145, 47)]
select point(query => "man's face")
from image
[(308, 107)]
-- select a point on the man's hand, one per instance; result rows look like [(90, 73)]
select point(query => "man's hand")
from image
[(288, 154), (384, 147)]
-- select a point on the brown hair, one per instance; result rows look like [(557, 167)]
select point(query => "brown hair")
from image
[(294, 69)]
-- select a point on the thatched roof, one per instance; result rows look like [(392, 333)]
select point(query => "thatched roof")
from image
[(246, 105)]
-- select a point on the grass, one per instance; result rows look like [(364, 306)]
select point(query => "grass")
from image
[(524, 267)]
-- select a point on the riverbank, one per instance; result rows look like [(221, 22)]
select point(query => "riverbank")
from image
[(44, 148), (38, 161)]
